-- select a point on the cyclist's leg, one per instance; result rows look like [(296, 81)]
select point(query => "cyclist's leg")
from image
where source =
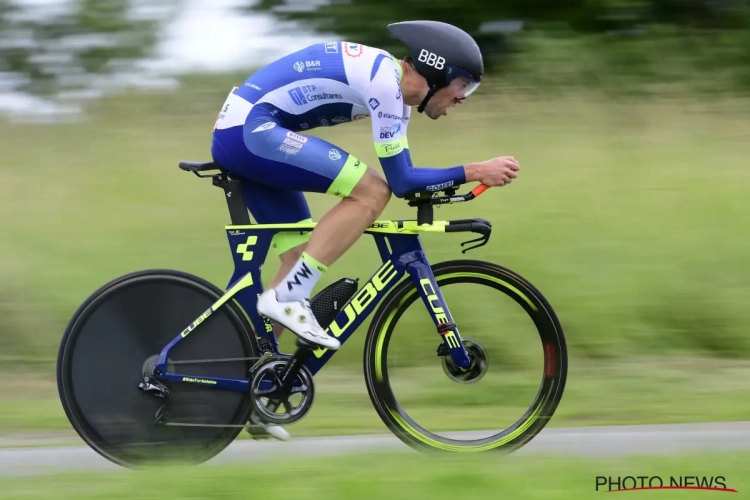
[(267, 203), (270, 205), (292, 161), (319, 166)]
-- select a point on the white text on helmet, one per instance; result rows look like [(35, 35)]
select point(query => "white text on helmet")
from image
[(431, 59)]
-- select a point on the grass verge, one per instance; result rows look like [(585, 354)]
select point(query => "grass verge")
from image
[(622, 392), (397, 475)]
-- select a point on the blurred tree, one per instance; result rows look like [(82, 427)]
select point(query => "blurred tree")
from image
[(707, 32), (364, 21), (49, 48), (493, 24)]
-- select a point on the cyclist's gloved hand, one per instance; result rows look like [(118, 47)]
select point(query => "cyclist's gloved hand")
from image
[(498, 171)]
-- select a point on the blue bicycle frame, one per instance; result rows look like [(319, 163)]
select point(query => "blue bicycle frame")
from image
[(401, 252)]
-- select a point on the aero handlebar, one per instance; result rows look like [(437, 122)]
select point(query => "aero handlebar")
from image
[(424, 200), (420, 198)]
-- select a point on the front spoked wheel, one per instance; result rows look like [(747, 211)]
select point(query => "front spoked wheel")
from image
[(491, 305)]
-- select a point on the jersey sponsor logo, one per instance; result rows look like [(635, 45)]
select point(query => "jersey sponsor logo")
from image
[(292, 143), (323, 121), (352, 49), (332, 47), (374, 103), (289, 149), (304, 126), (265, 126), (301, 66), (390, 132), (334, 154), (392, 148), (356, 118), (439, 187), (296, 137), (431, 59), (388, 115), (306, 93), (340, 119), (398, 84)]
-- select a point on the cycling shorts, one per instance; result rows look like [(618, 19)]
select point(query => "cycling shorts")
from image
[(277, 165)]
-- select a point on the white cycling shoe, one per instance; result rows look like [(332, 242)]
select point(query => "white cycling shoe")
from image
[(259, 430), (297, 317)]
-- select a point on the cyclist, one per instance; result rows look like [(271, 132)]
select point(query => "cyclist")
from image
[(259, 136)]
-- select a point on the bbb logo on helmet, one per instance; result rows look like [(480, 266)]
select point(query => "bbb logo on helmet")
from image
[(431, 59)]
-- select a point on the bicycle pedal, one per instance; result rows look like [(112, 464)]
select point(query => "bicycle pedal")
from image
[(331, 300), (305, 345)]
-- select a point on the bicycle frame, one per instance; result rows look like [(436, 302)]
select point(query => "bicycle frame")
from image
[(401, 252)]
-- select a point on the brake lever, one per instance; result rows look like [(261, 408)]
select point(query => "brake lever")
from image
[(479, 226), (483, 239)]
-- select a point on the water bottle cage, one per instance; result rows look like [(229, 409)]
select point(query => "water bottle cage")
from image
[(331, 300)]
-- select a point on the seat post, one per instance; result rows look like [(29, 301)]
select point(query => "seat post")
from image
[(235, 202)]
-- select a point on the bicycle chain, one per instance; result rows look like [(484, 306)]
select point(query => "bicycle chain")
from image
[(215, 360), (211, 360), (178, 424), (266, 353)]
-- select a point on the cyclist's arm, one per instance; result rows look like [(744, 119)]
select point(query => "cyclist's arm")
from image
[(404, 127), (386, 110)]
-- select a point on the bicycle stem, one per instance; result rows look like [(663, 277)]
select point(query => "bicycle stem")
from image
[(425, 201)]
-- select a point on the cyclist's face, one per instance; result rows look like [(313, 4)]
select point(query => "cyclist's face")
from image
[(447, 97)]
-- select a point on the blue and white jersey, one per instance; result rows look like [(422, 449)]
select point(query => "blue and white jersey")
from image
[(332, 83)]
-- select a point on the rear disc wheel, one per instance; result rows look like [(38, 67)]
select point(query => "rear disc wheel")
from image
[(116, 335)]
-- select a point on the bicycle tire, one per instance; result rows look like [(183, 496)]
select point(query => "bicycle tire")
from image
[(527, 296), (194, 295)]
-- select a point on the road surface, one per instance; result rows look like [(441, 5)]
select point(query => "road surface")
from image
[(580, 441)]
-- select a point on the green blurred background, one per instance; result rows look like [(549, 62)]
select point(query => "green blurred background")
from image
[(630, 121)]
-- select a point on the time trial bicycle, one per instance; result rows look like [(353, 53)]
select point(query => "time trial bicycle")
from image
[(160, 364)]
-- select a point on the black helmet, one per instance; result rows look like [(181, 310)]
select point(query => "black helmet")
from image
[(440, 53)]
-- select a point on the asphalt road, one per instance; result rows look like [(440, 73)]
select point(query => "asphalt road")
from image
[(580, 441)]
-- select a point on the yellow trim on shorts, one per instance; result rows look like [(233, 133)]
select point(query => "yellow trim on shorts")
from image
[(284, 241), (350, 175)]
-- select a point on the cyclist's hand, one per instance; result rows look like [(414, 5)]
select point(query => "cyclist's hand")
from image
[(498, 171)]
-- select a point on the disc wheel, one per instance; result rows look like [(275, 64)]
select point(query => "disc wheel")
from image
[(480, 274), (116, 335)]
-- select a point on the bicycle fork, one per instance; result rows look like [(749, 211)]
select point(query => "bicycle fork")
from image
[(423, 278)]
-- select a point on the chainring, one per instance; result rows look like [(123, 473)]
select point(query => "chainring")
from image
[(267, 403)]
